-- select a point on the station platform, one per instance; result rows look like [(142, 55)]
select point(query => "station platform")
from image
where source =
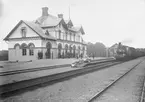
[(36, 74), (31, 75), (8, 66)]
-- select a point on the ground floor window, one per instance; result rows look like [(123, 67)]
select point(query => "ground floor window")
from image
[(24, 52), (31, 52), (24, 49), (31, 49)]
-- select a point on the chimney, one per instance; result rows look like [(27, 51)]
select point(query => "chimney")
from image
[(60, 15), (45, 11)]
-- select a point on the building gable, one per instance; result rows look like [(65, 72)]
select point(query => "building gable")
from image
[(17, 33)]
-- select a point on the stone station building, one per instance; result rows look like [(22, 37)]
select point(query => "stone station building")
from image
[(45, 38)]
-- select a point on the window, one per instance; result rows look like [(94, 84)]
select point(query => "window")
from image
[(47, 33), (23, 31), (24, 51), (66, 36), (31, 47), (31, 52), (78, 38), (70, 36), (59, 34), (17, 46), (74, 37)]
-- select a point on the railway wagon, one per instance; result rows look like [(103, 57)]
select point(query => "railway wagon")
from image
[(127, 53)]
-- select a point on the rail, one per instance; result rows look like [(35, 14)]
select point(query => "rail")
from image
[(48, 67), (49, 78), (104, 90)]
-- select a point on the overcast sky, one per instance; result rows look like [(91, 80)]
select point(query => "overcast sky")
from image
[(106, 21)]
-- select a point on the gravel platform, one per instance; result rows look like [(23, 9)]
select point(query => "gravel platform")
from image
[(77, 89), (128, 89)]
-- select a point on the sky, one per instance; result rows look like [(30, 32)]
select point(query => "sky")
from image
[(105, 21)]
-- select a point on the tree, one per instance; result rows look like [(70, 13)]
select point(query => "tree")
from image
[(3, 55), (97, 50)]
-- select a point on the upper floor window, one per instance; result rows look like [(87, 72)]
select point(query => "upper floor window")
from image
[(23, 31), (78, 38), (70, 36), (66, 36), (47, 33), (74, 37), (59, 34)]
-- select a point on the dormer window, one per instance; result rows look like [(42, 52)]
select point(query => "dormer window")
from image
[(23, 31), (47, 33)]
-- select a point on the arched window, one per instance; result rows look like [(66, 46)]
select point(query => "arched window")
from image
[(17, 46), (23, 31), (31, 49), (24, 49), (59, 46)]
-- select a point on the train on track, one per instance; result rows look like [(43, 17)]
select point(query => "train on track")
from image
[(123, 52)]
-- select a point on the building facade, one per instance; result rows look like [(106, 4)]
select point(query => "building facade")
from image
[(45, 38)]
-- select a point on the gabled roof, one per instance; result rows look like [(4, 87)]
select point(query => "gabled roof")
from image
[(77, 29), (50, 21), (39, 30), (35, 27), (69, 22), (114, 45)]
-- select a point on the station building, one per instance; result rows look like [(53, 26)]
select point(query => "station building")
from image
[(47, 37)]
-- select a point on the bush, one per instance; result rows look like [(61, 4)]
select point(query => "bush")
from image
[(3, 55), (59, 55), (40, 55), (47, 54), (63, 55)]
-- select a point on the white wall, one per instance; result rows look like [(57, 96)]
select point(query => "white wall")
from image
[(16, 55), (36, 42), (17, 32)]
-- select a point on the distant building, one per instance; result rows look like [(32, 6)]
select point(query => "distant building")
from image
[(51, 36), (112, 51)]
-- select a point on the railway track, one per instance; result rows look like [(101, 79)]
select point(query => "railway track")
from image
[(47, 68), (55, 77), (93, 98), (142, 97)]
